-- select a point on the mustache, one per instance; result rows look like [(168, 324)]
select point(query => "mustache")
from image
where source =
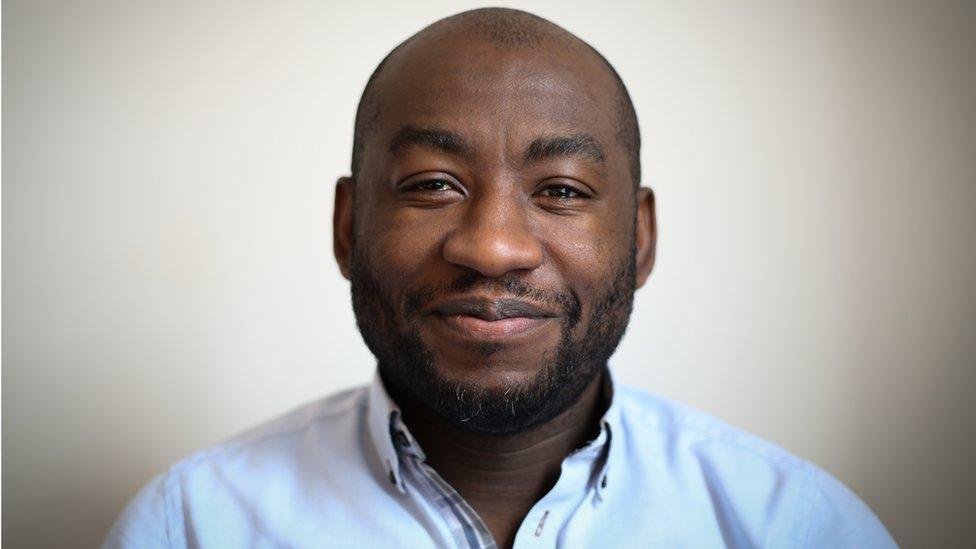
[(563, 301)]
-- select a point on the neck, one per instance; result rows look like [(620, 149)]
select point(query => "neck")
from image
[(503, 476)]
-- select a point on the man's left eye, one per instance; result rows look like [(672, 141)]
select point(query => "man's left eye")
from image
[(562, 192)]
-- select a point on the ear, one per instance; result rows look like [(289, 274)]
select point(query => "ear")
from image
[(646, 237), (342, 224)]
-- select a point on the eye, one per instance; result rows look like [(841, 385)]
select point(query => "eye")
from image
[(564, 196), (561, 191), (430, 190), (430, 185)]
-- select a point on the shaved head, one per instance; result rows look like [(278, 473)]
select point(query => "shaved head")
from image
[(506, 30)]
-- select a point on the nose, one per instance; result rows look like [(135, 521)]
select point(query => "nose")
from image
[(494, 238)]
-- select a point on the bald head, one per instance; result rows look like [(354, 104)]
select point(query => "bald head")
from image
[(507, 32)]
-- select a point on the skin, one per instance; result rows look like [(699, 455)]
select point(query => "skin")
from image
[(425, 216)]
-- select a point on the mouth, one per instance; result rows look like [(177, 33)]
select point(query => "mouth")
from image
[(491, 320)]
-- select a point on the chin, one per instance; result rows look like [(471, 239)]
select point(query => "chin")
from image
[(487, 379), (489, 368)]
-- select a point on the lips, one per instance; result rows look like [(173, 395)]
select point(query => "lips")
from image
[(491, 319)]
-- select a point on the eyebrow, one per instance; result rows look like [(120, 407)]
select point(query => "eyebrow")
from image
[(431, 138), (557, 146), (546, 147)]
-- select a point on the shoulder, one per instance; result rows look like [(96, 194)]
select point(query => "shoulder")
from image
[(761, 493), (281, 447), (653, 418), (323, 416), (323, 412), (266, 460)]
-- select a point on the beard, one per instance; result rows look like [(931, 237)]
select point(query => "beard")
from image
[(407, 366)]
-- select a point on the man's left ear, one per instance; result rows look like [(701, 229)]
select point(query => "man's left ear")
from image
[(646, 237)]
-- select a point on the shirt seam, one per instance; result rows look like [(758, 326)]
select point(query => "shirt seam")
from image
[(766, 451), (166, 519), (169, 502), (812, 512)]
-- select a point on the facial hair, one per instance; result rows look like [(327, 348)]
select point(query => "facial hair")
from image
[(407, 366)]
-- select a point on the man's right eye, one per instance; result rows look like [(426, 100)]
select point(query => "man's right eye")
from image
[(430, 185), (430, 190)]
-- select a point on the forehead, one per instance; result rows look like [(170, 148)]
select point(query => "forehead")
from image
[(493, 94)]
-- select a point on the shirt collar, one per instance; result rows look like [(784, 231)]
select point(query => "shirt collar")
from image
[(383, 420), (601, 448), (382, 413), (609, 424)]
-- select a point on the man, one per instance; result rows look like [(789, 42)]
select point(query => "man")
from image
[(494, 231)]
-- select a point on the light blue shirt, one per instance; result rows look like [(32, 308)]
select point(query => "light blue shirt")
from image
[(345, 472)]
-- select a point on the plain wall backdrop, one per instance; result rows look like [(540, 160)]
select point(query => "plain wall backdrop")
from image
[(168, 172)]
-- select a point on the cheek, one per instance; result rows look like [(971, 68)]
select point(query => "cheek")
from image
[(587, 254), (400, 243)]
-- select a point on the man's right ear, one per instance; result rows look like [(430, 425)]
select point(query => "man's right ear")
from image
[(342, 224)]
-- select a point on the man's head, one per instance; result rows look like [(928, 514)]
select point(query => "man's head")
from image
[(493, 229)]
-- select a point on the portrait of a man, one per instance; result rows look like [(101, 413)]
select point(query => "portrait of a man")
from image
[(652, 280), (494, 231)]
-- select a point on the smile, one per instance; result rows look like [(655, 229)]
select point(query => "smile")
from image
[(491, 320)]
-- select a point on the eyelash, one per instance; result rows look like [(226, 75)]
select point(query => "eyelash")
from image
[(442, 185), (428, 185), (575, 194), (425, 185)]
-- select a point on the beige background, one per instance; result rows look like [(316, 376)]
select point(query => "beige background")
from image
[(168, 279)]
